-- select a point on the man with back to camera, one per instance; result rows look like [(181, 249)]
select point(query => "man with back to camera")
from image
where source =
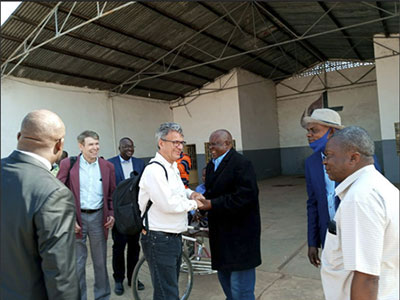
[(38, 257), (92, 181), (124, 165), (167, 217), (322, 203), (233, 217), (360, 260)]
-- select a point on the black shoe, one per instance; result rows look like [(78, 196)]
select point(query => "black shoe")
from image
[(119, 288), (140, 286)]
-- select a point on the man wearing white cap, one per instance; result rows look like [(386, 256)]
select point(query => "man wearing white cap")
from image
[(321, 203)]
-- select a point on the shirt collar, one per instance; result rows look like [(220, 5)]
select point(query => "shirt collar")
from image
[(43, 160), (165, 162), (345, 184), (220, 158), (123, 160), (86, 162)]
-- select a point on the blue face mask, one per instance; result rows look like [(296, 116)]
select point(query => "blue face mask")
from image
[(319, 145)]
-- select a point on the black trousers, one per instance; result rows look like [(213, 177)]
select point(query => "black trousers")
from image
[(118, 258)]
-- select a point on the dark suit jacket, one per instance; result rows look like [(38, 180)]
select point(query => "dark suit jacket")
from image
[(137, 164), (108, 180), (317, 203), (37, 233), (234, 219)]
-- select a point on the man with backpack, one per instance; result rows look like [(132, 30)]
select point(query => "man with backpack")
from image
[(166, 219), (92, 182), (124, 165)]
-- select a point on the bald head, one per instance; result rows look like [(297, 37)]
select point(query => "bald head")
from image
[(40, 131)]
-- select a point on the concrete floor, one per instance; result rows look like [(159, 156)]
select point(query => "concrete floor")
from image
[(285, 273)]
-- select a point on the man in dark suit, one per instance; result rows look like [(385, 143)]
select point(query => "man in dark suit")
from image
[(124, 164), (321, 203), (233, 216), (92, 181), (38, 259)]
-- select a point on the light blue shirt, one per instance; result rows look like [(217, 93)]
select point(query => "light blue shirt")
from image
[(330, 192), (91, 186), (218, 160)]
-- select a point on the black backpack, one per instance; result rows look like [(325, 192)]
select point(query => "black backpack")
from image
[(126, 207)]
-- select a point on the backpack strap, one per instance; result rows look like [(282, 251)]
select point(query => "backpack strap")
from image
[(72, 161), (150, 203)]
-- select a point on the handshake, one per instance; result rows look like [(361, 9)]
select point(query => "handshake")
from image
[(202, 203)]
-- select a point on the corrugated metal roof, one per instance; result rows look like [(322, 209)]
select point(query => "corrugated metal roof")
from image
[(265, 38)]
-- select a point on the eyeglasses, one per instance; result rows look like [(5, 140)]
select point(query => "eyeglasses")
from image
[(175, 143)]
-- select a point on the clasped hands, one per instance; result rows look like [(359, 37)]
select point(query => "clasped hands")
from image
[(202, 202)]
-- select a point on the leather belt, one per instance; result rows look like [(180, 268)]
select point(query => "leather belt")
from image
[(166, 233), (90, 211)]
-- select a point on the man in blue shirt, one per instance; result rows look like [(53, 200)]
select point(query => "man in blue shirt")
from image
[(125, 164)]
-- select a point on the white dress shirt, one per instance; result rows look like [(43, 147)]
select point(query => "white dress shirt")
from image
[(90, 184), (367, 236), (171, 202), (127, 167)]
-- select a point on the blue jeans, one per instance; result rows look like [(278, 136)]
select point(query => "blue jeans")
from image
[(238, 285), (163, 252)]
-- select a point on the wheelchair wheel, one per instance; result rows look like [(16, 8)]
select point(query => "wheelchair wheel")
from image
[(142, 273)]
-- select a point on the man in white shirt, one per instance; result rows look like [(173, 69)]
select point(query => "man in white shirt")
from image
[(361, 255), (167, 217)]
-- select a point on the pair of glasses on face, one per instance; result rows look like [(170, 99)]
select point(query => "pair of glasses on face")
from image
[(175, 143)]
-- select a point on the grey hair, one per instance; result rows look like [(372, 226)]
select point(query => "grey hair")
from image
[(85, 134), (165, 128), (357, 139)]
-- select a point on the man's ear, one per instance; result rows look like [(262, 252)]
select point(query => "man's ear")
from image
[(331, 132), (355, 158), (58, 147), (18, 136)]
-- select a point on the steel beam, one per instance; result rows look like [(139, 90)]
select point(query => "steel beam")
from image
[(53, 13), (209, 35), (396, 15), (134, 36), (92, 78), (339, 25), (96, 60), (226, 19), (110, 47), (384, 25), (270, 14)]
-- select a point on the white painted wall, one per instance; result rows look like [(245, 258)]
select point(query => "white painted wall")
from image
[(388, 80), (258, 111), (215, 110), (82, 109), (360, 102)]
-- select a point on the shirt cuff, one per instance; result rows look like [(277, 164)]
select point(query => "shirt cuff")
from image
[(188, 193), (193, 205)]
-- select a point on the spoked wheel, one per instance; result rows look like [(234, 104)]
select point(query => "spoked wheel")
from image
[(142, 273)]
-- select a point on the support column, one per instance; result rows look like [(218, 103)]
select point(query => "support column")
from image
[(387, 73)]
